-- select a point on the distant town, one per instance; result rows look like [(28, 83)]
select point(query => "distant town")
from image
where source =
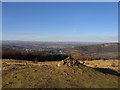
[(69, 48)]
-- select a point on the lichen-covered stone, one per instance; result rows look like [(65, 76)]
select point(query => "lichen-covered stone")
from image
[(60, 63)]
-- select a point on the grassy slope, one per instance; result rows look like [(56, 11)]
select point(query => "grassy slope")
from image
[(108, 54), (112, 64), (50, 76)]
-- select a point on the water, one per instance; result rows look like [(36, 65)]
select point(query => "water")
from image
[(61, 52)]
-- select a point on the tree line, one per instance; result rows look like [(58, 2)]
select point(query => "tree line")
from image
[(30, 56)]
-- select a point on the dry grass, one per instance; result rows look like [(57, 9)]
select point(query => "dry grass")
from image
[(7, 63), (112, 64), (28, 74)]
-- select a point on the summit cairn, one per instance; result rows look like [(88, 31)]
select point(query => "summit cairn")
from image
[(69, 61)]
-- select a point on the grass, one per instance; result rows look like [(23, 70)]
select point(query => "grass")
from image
[(108, 54), (111, 64), (47, 75)]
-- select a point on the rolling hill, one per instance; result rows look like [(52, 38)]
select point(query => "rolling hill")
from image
[(28, 74)]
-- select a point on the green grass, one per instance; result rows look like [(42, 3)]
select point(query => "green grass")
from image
[(108, 54)]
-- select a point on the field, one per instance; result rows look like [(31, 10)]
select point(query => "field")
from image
[(29, 74)]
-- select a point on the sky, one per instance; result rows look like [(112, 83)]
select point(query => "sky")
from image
[(60, 21)]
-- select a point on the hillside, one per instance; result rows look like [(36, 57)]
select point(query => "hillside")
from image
[(28, 74), (107, 49)]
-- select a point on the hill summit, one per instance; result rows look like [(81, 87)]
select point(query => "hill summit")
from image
[(47, 75)]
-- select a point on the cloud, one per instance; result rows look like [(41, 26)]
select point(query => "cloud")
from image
[(85, 38)]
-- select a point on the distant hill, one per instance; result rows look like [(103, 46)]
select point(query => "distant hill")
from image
[(107, 49), (49, 42)]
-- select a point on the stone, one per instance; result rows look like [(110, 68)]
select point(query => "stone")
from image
[(61, 63), (68, 61)]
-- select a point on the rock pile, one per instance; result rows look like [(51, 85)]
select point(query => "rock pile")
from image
[(69, 61)]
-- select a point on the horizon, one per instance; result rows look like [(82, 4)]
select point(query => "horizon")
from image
[(60, 22), (59, 41)]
